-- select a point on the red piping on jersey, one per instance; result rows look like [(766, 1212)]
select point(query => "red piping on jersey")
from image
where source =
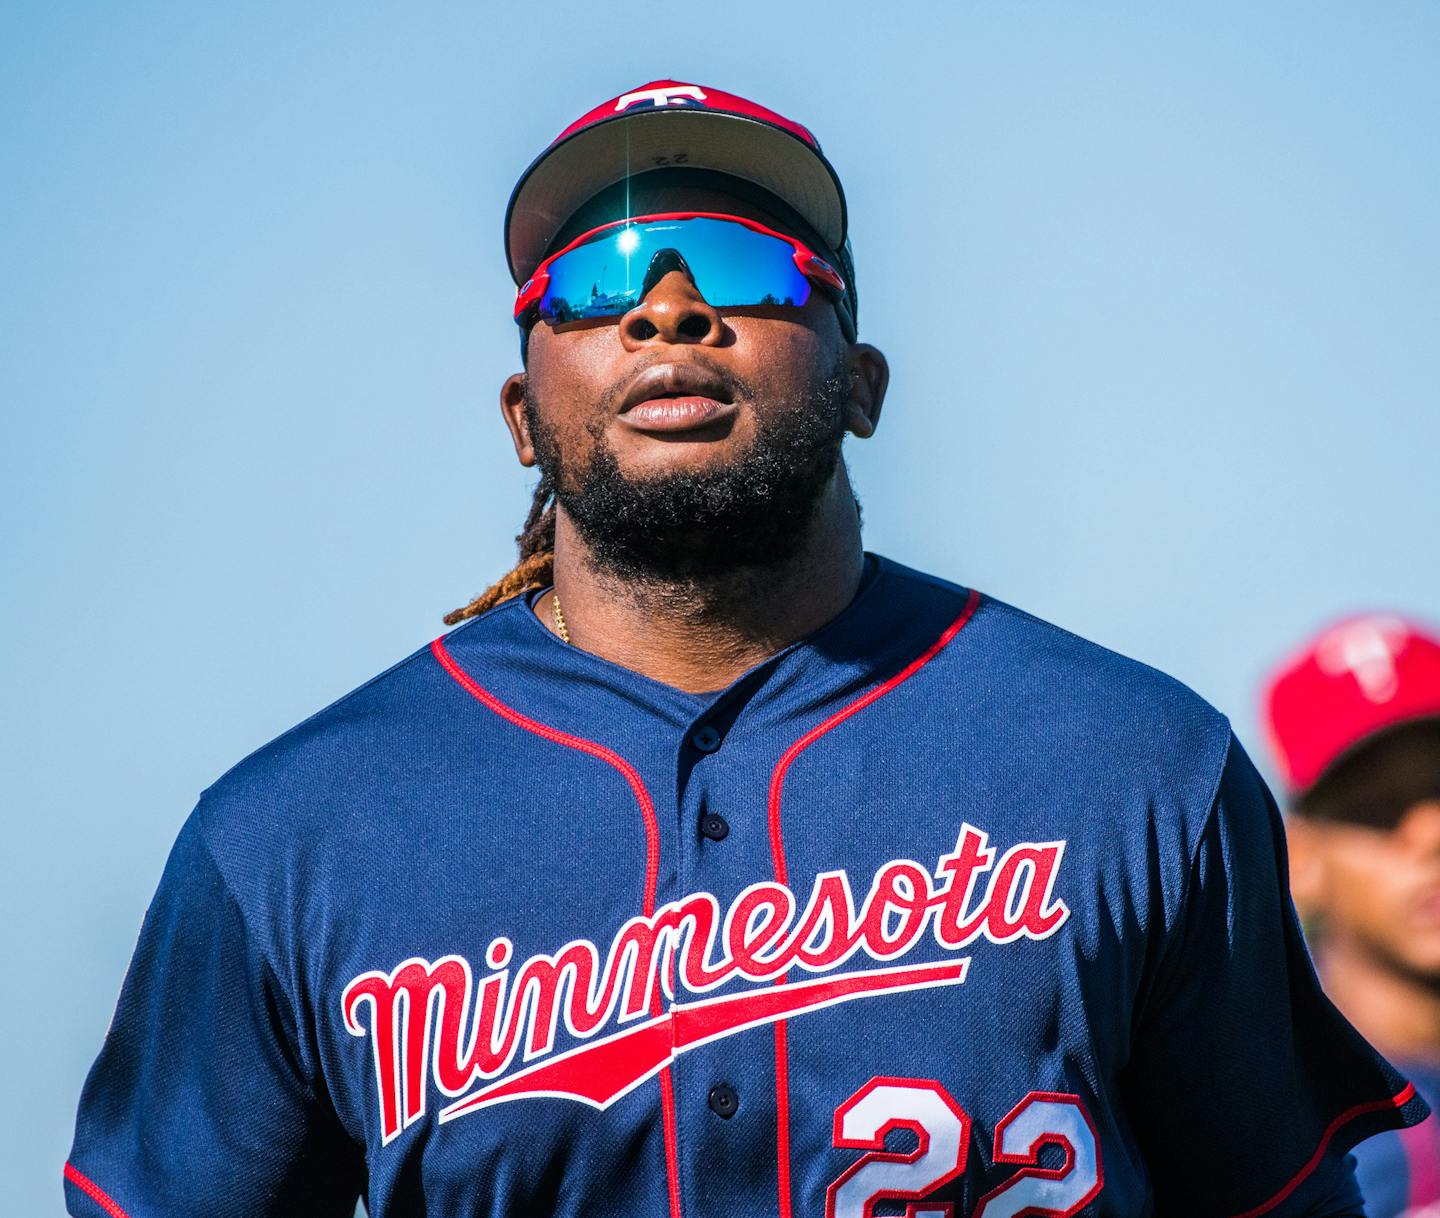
[(1395, 1101), (556, 736), (652, 864), (672, 1149), (777, 853), (782, 1116), (92, 1190)]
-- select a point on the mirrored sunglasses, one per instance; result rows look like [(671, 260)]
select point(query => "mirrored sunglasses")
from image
[(732, 262)]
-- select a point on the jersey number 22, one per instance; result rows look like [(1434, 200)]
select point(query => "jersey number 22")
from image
[(942, 1131)]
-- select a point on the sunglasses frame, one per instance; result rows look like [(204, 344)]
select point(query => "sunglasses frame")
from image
[(807, 261)]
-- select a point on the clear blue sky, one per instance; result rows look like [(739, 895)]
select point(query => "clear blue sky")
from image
[(253, 316)]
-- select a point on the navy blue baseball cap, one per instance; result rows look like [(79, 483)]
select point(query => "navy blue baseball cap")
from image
[(674, 126)]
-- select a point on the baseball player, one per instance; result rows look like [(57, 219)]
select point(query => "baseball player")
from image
[(714, 866), (1354, 722)]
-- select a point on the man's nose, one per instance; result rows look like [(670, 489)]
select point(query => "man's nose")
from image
[(673, 311), (1419, 828)]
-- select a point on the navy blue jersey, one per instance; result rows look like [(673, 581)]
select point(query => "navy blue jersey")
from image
[(940, 910)]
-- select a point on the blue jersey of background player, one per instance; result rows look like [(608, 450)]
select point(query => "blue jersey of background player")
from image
[(717, 867), (1354, 720)]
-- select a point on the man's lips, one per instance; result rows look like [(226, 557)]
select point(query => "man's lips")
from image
[(677, 414), (676, 397)]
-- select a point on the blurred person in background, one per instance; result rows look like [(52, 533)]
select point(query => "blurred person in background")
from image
[(1354, 722)]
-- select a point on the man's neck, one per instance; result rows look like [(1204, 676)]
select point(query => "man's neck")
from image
[(1398, 1013), (700, 637)]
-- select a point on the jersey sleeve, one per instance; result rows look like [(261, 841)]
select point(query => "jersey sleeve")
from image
[(1246, 1086), (199, 1104)]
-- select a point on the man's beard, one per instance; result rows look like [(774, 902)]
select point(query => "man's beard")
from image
[(698, 527)]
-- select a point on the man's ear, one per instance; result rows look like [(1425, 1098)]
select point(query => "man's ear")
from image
[(1305, 843), (869, 378), (512, 407)]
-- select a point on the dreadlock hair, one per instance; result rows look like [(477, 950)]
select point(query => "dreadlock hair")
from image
[(536, 565)]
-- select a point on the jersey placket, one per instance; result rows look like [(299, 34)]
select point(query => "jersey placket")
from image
[(725, 1087), (732, 1093)]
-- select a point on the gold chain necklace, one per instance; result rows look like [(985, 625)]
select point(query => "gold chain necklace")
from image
[(560, 627)]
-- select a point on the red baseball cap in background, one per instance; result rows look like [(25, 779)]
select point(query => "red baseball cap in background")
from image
[(1357, 678), (666, 124)]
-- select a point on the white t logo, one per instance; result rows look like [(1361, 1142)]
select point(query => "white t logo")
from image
[(1366, 649), (675, 95)]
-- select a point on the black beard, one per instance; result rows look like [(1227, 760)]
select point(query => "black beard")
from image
[(697, 528)]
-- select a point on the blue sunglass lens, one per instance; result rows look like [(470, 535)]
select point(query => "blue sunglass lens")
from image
[(729, 264)]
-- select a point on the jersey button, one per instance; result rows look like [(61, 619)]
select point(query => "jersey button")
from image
[(724, 1100), (715, 827), (706, 739)]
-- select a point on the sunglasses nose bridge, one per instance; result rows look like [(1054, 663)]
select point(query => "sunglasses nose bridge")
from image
[(672, 310), (663, 262)]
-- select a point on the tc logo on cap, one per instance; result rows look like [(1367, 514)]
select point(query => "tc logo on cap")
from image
[(669, 95)]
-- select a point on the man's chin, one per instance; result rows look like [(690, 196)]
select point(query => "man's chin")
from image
[(645, 455), (691, 526), (1410, 954), (676, 461), (1423, 960)]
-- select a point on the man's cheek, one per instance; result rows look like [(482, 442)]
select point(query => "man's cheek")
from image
[(1358, 877)]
